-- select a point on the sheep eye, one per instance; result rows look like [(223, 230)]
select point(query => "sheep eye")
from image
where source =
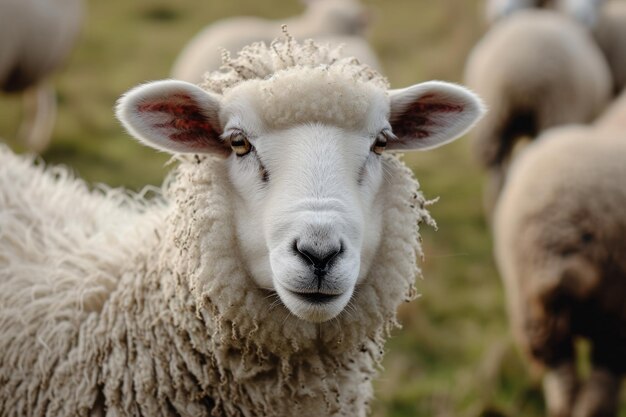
[(381, 141), (239, 143)]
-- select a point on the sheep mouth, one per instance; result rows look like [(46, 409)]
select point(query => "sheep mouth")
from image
[(316, 297)]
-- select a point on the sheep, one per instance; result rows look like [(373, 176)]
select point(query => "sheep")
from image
[(606, 19), (265, 277), (610, 34), (535, 70), (339, 22), (559, 230), (37, 38)]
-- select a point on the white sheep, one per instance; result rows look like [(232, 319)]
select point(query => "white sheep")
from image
[(36, 38), (606, 19), (559, 232), (535, 70), (338, 22), (266, 279)]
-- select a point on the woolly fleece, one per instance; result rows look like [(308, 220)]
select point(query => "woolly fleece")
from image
[(558, 230), (119, 306)]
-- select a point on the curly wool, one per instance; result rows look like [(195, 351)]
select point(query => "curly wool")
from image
[(261, 62), (177, 326), (339, 91), (565, 244)]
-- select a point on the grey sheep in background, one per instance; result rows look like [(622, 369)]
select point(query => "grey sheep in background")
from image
[(559, 230), (327, 21), (535, 70), (36, 39)]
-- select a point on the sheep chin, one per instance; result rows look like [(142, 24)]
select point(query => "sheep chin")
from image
[(314, 312)]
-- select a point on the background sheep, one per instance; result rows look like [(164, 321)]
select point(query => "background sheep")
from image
[(214, 301), (559, 241), (36, 38), (535, 70), (607, 19), (610, 33), (334, 21)]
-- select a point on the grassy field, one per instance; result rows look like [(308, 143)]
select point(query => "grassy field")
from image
[(454, 356)]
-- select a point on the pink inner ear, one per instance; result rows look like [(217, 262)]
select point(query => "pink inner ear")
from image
[(186, 125), (421, 115)]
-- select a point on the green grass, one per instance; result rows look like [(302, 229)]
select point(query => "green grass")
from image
[(454, 356)]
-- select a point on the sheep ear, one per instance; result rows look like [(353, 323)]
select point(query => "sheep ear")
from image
[(431, 114), (173, 116)]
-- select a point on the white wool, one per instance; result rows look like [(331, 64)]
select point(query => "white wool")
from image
[(260, 61), (559, 233), (173, 321), (332, 97)]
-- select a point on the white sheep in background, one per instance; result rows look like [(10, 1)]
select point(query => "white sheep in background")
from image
[(330, 21), (266, 279), (36, 38), (559, 232), (535, 70), (606, 19)]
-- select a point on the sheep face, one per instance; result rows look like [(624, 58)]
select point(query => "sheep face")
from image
[(305, 166)]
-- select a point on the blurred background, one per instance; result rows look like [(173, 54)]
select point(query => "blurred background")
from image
[(454, 355)]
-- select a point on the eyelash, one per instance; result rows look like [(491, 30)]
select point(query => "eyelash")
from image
[(380, 143), (239, 143), (241, 146)]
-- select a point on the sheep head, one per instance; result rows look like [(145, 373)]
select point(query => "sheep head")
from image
[(303, 150)]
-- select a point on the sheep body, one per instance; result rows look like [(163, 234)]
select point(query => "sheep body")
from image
[(327, 21), (107, 318), (37, 38), (558, 236), (535, 69), (606, 20)]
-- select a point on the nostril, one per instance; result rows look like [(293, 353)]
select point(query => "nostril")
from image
[(319, 259)]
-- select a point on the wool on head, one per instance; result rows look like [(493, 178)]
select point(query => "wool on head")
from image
[(338, 90)]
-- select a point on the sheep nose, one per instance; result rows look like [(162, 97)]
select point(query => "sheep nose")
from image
[(319, 258)]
